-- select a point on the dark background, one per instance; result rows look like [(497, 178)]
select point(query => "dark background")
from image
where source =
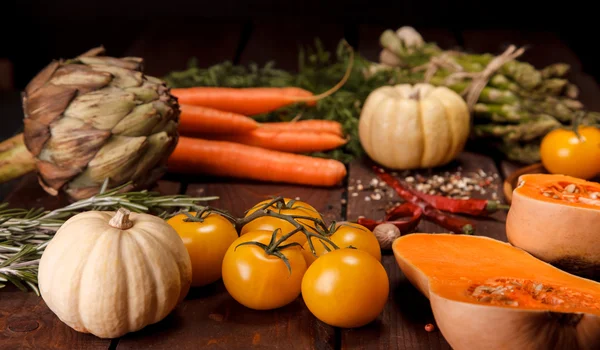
[(35, 32)]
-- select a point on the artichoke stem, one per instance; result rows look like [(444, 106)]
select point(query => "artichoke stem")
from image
[(15, 159)]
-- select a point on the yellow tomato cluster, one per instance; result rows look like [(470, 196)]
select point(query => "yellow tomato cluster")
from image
[(331, 282)]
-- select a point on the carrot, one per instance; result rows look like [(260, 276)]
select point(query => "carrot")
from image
[(220, 158), (285, 141), (252, 101), (328, 126), (209, 120)]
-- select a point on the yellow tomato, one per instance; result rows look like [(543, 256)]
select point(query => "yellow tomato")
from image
[(345, 288), (260, 281), (562, 152), (271, 223), (346, 234), (206, 242)]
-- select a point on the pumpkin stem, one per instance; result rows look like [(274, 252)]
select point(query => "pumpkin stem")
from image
[(121, 220)]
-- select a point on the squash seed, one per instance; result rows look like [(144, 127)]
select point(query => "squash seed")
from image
[(570, 188), (547, 194)]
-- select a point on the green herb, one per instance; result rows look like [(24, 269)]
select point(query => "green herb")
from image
[(24, 234), (318, 70)]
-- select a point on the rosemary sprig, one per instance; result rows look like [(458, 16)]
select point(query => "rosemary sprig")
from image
[(24, 233)]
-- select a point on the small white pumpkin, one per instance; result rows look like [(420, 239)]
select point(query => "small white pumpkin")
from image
[(110, 273), (413, 126)]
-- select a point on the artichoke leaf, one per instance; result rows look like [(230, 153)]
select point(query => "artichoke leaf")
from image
[(139, 122), (73, 143), (158, 146), (103, 108), (41, 78), (48, 103), (116, 160), (145, 93), (128, 63), (81, 77), (122, 78)]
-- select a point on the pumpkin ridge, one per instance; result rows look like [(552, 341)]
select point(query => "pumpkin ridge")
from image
[(422, 132), (453, 142), (153, 280), (82, 273), (156, 241), (124, 277)]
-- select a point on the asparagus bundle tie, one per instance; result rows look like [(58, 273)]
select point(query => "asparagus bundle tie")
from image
[(479, 80)]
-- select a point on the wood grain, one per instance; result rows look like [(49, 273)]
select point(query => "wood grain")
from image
[(400, 326), (281, 41), (163, 51), (210, 317), (27, 323)]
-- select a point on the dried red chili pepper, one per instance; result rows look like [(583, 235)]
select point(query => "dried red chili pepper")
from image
[(454, 224), (406, 210), (473, 206)]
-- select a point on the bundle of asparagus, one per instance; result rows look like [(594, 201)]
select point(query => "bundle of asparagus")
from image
[(518, 104)]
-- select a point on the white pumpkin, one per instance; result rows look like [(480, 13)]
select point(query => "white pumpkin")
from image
[(413, 126), (110, 273)]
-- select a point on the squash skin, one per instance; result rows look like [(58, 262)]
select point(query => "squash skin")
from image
[(432, 122), (563, 235), (474, 325), (108, 282)]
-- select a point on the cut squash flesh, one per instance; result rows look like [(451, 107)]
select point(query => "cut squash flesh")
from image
[(556, 218), (482, 270), (487, 294), (560, 189)]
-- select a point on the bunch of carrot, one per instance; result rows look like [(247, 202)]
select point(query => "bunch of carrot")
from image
[(219, 138)]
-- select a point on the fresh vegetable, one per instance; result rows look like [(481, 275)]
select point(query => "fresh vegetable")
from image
[(345, 234), (223, 158), (432, 122), (284, 141), (15, 159), (486, 293), (199, 119), (454, 224), (315, 125), (206, 236), (246, 101), (258, 100), (345, 288), (127, 271), (259, 279), (404, 217), (513, 104), (471, 206), (286, 206), (95, 117), (25, 233), (555, 218), (574, 154)]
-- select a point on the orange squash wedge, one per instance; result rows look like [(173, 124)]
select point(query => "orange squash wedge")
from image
[(556, 218), (487, 294)]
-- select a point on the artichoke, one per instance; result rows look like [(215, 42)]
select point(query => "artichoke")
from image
[(95, 118)]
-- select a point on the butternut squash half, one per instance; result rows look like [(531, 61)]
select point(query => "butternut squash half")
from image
[(556, 218), (487, 294)]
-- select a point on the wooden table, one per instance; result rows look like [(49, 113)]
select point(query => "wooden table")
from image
[(209, 317)]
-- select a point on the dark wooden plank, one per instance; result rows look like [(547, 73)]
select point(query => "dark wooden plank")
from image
[(26, 322), (544, 48), (163, 51), (400, 326), (368, 38), (281, 41), (211, 317)]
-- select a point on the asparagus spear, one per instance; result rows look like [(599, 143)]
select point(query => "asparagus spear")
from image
[(556, 70), (528, 153), (526, 131)]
